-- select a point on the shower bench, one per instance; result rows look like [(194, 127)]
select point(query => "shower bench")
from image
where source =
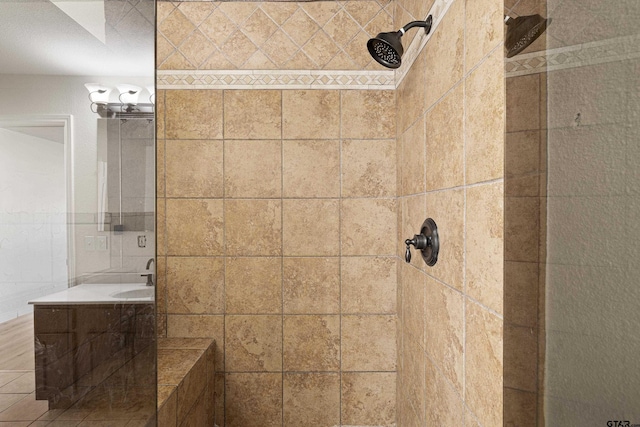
[(185, 382)]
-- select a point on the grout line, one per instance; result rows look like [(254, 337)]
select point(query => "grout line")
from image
[(464, 215), (314, 313), (224, 261), (483, 60), (282, 309), (340, 254), (165, 240), (309, 372), (215, 47), (238, 199), (277, 256), (285, 139), (457, 188)]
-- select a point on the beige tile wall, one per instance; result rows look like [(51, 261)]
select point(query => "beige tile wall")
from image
[(280, 214), (277, 238), (269, 35), (405, 11), (450, 143)]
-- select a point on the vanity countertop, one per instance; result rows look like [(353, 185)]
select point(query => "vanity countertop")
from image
[(100, 293)]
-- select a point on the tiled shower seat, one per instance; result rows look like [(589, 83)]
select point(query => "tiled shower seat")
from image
[(185, 382)]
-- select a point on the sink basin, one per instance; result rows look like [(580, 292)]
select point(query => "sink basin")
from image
[(135, 294)]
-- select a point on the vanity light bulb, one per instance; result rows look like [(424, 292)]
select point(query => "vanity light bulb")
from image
[(98, 93), (129, 94)]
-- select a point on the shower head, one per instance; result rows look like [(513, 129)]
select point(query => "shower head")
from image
[(386, 48), (522, 31)]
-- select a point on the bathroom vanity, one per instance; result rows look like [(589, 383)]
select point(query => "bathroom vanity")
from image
[(89, 334)]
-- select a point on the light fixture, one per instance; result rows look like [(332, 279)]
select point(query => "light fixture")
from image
[(98, 95), (129, 94), (522, 31), (128, 105), (152, 93), (386, 48)]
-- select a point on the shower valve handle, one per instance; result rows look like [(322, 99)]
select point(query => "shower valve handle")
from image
[(427, 242), (419, 241)]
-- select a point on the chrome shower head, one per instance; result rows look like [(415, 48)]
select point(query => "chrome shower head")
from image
[(522, 31), (386, 48)]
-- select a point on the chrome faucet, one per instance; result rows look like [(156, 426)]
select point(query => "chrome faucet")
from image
[(150, 275)]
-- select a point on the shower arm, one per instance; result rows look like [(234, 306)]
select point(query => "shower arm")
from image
[(424, 24)]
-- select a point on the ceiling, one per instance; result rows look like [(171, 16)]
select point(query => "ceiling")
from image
[(38, 37)]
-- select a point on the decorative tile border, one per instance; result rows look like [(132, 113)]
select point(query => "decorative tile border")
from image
[(611, 50), (617, 49), (275, 79), (305, 79)]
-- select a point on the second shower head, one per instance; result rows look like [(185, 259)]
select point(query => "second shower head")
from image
[(522, 32), (386, 48)]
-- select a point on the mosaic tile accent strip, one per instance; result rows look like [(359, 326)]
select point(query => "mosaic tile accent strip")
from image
[(611, 50), (267, 79), (331, 35)]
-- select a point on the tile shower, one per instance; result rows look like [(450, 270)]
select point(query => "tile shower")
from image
[(450, 138), (279, 212)]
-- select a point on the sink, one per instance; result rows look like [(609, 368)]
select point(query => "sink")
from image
[(135, 294)]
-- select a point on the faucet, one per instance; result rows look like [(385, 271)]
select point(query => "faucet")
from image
[(150, 275)]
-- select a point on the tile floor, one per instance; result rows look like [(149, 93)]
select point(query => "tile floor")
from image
[(19, 408)]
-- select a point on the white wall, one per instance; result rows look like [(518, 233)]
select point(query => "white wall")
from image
[(33, 231), (50, 95)]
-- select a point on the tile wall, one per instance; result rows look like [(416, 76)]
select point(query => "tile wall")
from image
[(277, 226), (231, 35), (450, 145), (314, 189)]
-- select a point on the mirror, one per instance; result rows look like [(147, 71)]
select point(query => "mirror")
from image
[(126, 176)]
